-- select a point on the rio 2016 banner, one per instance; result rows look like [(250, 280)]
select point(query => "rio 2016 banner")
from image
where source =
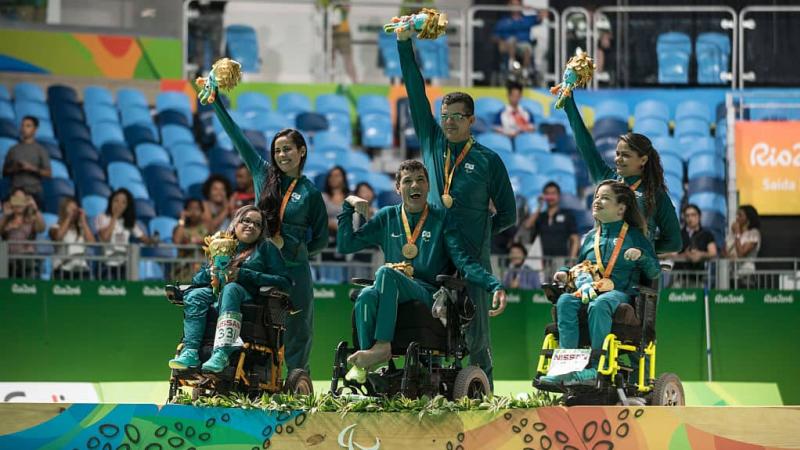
[(768, 166)]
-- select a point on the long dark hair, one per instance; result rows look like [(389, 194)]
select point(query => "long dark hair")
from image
[(270, 202), (624, 195), (328, 189), (129, 215), (653, 173), (753, 220)]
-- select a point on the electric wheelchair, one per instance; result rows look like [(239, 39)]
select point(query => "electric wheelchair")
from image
[(433, 353), (256, 367), (629, 381)]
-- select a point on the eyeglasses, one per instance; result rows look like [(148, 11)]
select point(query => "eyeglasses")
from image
[(455, 116), (247, 221)]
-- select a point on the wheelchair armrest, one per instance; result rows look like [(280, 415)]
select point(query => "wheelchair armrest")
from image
[(272, 291), (645, 290), (451, 282), (552, 291), (176, 292), (363, 281)]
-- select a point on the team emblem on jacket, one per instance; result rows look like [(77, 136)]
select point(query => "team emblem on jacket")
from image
[(469, 167), (295, 196), (426, 235)]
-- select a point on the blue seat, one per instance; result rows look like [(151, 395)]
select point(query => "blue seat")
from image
[(433, 57), (672, 164), (137, 134), (376, 131), (489, 108), (706, 184), (4, 95), (172, 135), (100, 112), (59, 170), (651, 109), (29, 91), (534, 108), (709, 201), (149, 153), (495, 141), (611, 109), (340, 123), (131, 115), (97, 95), (84, 169), (693, 109), (7, 111), (145, 210), (54, 189), (114, 152), (527, 142), (58, 93), (253, 101), (389, 55), (53, 150), (258, 140), (609, 127), (691, 128), (155, 175), (128, 97), (373, 104), (332, 103), (66, 111), (541, 159), (80, 149), (94, 205), (24, 108), (265, 120), (173, 117), (169, 208), (89, 186), (107, 133), (565, 144), (665, 145), (566, 181), (693, 146), (712, 51), (120, 172), (44, 133), (183, 154), (388, 198), (327, 140), (673, 67), (175, 101), (563, 163), (674, 184), (137, 188), (192, 174), (518, 163), (218, 157), (311, 122), (651, 127), (163, 226), (293, 103), (241, 44), (532, 187), (8, 129), (706, 164)]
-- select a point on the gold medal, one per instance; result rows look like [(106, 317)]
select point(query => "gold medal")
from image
[(410, 251), (278, 241), (604, 285), (447, 200)]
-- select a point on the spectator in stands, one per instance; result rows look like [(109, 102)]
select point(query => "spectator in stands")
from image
[(605, 59), (554, 226), (336, 190), (117, 226), (217, 206), (245, 193), (698, 243), (205, 29), (72, 228), (513, 37), (519, 274), (364, 190), (514, 119), (28, 162), (342, 41), (744, 241), (190, 231), (637, 164), (21, 221)]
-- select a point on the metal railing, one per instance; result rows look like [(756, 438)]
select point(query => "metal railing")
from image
[(748, 24)]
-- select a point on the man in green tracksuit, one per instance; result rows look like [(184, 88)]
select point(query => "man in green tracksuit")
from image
[(466, 179), (414, 233)]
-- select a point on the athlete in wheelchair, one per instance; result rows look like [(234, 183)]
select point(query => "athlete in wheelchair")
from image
[(235, 307), (393, 315), (601, 307)]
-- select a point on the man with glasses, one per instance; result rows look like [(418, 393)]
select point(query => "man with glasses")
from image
[(467, 179)]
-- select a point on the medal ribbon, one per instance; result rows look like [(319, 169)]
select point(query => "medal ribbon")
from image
[(635, 186), (448, 177), (617, 247), (285, 202), (412, 238)]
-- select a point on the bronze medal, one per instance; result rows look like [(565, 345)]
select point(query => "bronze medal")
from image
[(410, 251), (447, 201), (278, 241)]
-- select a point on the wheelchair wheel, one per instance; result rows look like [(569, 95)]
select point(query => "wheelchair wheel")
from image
[(668, 391), (471, 382), (298, 382)]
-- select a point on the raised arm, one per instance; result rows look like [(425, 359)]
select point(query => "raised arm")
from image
[(466, 264), (598, 169), (252, 159), (502, 195), (368, 235), (318, 218), (424, 123), (669, 238)]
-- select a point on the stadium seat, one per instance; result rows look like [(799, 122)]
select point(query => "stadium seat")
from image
[(163, 225), (584, 220), (94, 205), (174, 101), (651, 127), (100, 112), (156, 174), (674, 184), (340, 123), (131, 97), (517, 162), (183, 154), (611, 109), (693, 109), (691, 128), (145, 210), (311, 122), (85, 169), (480, 126), (169, 208), (119, 172), (97, 95), (651, 109), (4, 94), (44, 133), (253, 101), (495, 141), (113, 152), (332, 103), (107, 133), (329, 140), (54, 189), (218, 157), (673, 50), (131, 115), (192, 174), (714, 221), (79, 149), (489, 108), (258, 140), (665, 145), (172, 135), (265, 120), (8, 129), (24, 108), (149, 153), (291, 104), (241, 44), (706, 184), (566, 145), (563, 163), (89, 186), (29, 91), (58, 93), (53, 150), (705, 164), (376, 131), (709, 201), (173, 117), (532, 187), (66, 111), (672, 164), (137, 134), (387, 198), (7, 111), (137, 188), (566, 181), (693, 146), (527, 142), (389, 55), (432, 61), (533, 107), (609, 127), (712, 51), (372, 104)]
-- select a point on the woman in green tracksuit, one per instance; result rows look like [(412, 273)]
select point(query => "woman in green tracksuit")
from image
[(639, 166), (255, 263), (466, 177), (625, 253), (410, 232), (295, 210)]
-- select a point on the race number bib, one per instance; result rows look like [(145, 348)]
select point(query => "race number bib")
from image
[(566, 360), (229, 325)]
